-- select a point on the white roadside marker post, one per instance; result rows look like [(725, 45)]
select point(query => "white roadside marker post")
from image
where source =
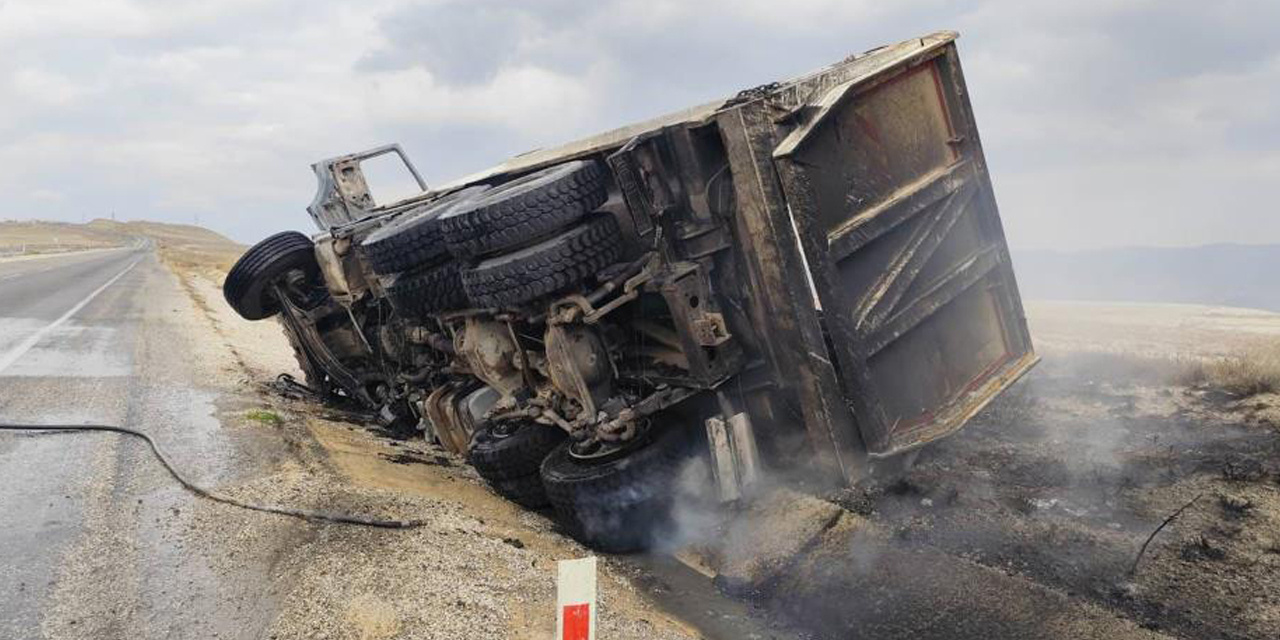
[(576, 600)]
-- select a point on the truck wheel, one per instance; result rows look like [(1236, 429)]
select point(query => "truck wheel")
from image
[(415, 294), (248, 287), (508, 455), (414, 239), (525, 209), (546, 267), (617, 506), (525, 491)]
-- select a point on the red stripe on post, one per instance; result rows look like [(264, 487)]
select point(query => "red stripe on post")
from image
[(577, 622)]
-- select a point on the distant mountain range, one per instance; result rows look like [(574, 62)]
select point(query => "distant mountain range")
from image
[(1218, 274)]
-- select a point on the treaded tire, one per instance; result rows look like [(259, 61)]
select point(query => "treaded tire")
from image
[(546, 267), (497, 457), (511, 463), (525, 209), (416, 294), (617, 505), (248, 285), (525, 491), (414, 239)]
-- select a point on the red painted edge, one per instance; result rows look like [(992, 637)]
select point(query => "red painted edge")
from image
[(577, 622)]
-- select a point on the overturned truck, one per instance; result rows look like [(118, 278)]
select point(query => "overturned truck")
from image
[(809, 275)]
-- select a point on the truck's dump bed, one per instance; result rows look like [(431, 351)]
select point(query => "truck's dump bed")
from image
[(876, 168)]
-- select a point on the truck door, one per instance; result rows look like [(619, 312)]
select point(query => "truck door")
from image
[(886, 183)]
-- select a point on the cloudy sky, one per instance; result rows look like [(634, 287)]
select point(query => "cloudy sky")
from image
[(1121, 122)]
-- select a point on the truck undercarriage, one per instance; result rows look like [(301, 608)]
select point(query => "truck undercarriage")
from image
[(808, 275)]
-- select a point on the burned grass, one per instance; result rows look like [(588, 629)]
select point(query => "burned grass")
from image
[(1064, 477), (1249, 373)]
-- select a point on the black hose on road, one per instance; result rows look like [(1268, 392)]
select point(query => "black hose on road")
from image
[(306, 514)]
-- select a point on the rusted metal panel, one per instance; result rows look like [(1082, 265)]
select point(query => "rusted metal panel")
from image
[(342, 195), (888, 188), (783, 304)]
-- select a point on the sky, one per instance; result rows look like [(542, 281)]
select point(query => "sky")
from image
[(1105, 123)]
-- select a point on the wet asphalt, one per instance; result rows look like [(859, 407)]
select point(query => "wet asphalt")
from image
[(96, 539), (64, 373)]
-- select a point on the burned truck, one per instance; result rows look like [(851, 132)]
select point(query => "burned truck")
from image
[(809, 275)]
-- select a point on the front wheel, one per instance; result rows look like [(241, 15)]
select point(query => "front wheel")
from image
[(621, 504), (249, 285)]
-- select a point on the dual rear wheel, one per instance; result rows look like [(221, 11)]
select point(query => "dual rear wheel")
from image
[(615, 505)]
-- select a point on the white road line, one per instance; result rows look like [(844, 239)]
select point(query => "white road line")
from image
[(9, 358)]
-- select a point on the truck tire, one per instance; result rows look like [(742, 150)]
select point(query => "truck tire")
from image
[(617, 506), (549, 266), (414, 239), (510, 459), (525, 209), (525, 491), (416, 294), (248, 285)]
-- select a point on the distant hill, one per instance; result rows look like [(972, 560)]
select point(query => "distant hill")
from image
[(180, 244), (1219, 274), (38, 236), (164, 232), (177, 242)]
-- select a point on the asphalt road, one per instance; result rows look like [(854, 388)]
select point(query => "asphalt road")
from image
[(95, 539)]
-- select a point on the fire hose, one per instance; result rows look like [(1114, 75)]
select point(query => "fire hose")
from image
[(305, 514)]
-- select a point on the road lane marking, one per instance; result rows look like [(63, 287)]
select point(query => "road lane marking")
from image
[(12, 356), (30, 272), (73, 350)]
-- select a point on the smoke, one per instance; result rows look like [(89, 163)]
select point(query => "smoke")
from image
[(1051, 489)]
